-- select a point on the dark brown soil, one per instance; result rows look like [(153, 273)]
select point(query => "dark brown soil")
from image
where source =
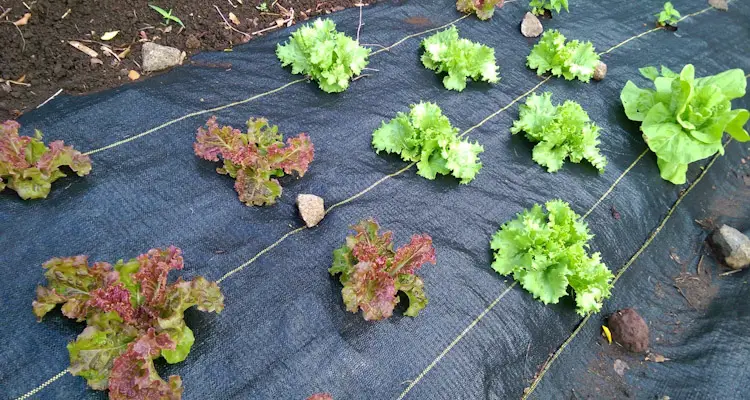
[(38, 58)]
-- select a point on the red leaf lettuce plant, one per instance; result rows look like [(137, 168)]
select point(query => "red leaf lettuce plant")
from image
[(373, 274), (29, 167), (256, 158), (133, 316)]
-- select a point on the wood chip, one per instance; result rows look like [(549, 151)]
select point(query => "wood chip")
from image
[(82, 47), (657, 358), (133, 75), (109, 35), (23, 20), (234, 18)]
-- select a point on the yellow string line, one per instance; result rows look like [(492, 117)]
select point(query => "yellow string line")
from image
[(264, 251), (44, 385), (249, 99), (622, 270), (418, 34), (455, 341), (615, 183), (509, 105)]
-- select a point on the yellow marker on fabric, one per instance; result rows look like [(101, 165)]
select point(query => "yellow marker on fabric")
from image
[(607, 333)]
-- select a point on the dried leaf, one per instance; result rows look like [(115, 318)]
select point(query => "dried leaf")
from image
[(23, 20), (133, 75), (82, 47), (607, 334), (280, 22), (658, 358), (21, 79), (124, 53), (109, 35), (234, 18)]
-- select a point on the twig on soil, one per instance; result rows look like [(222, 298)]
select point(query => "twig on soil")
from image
[(370, 69), (48, 100), (5, 12), (14, 82), (229, 25), (730, 272), (686, 298), (374, 45), (361, 76), (231, 4), (66, 13), (23, 41), (360, 20)]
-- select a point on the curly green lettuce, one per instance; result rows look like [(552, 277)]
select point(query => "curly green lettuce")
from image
[(562, 131), (684, 118), (538, 7), (460, 59), (571, 60), (546, 251), (256, 158), (373, 274), (29, 167), (133, 316), (426, 136), (484, 9), (322, 53)]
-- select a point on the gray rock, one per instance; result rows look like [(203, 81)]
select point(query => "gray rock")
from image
[(600, 71), (531, 26), (157, 57), (311, 209), (733, 246)]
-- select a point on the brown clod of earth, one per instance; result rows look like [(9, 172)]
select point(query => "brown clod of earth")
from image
[(697, 289), (629, 330), (311, 209), (600, 71)]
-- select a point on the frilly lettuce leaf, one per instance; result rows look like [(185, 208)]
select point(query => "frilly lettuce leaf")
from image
[(684, 118), (426, 136), (561, 132), (133, 373), (373, 274), (133, 315), (545, 251), (570, 60), (319, 51), (256, 158), (483, 8), (459, 59), (29, 167), (538, 6)]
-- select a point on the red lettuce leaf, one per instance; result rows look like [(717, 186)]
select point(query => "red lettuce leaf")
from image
[(373, 274), (133, 375), (256, 158), (29, 167), (132, 307)]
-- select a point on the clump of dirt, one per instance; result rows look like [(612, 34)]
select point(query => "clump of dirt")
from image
[(37, 60), (629, 330), (697, 289)]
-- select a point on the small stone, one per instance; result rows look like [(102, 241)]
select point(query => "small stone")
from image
[(719, 4), (733, 246), (311, 209), (629, 330), (531, 26), (620, 367), (96, 62), (133, 75), (193, 42), (157, 57), (600, 71)]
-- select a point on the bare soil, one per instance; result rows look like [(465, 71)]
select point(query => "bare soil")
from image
[(36, 59)]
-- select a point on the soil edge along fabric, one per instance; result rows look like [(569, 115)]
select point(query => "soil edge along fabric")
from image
[(284, 332)]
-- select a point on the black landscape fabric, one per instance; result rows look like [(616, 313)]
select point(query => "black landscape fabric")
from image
[(285, 333)]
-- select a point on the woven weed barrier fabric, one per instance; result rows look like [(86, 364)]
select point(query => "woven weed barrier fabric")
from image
[(284, 333)]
